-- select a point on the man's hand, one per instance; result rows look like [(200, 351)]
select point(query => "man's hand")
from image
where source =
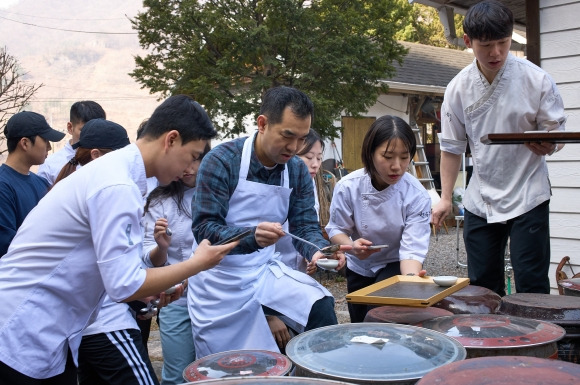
[(338, 255), (439, 212), (541, 148), (268, 233), (207, 256), (279, 331), (311, 268)]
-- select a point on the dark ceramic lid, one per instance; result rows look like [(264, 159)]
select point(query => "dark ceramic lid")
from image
[(372, 351), (562, 310), (495, 331), (238, 363)]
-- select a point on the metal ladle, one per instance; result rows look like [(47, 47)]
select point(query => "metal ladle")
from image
[(326, 251)]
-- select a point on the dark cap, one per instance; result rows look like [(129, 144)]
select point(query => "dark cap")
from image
[(101, 133), (27, 123)]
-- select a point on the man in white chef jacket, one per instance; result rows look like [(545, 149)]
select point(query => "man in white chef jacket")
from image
[(80, 113), (509, 192), (257, 183)]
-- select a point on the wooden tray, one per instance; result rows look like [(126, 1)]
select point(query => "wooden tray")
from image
[(405, 290), (534, 136)]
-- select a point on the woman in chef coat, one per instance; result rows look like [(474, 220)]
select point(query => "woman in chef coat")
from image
[(381, 204)]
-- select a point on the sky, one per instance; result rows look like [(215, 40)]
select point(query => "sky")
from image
[(7, 3)]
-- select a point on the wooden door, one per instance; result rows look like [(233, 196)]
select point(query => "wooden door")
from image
[(353, 133)]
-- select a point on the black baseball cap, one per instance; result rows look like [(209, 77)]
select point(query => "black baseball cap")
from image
[(102, 133), (28, 123)]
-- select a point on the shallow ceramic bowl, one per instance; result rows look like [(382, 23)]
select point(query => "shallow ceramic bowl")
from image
[(327, 264), (445, 280)]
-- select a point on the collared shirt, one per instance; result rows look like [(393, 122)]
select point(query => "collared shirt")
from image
[(507, 180), (217, 179), (51, 167), (83, 237), (397, 216)]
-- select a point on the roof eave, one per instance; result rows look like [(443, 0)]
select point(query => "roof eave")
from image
[(414, 88)]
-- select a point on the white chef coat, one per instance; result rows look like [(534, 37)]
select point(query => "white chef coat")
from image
[(225, 302), (397, 216), (51, 167), (180, 223), (84, 237), (507, 180), (112, 316)]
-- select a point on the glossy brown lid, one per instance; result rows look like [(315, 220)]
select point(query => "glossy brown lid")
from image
[(495, 330), (277, 380), (379, 352), (471, 299), (504, 370), (407, 315), (559, 309), (238, 363)]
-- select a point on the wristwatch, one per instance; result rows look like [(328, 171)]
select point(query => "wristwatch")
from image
[(555, 150)]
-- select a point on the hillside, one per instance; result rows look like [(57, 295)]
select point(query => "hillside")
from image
[(74, 65)]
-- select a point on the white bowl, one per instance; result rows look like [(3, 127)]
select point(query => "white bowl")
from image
[(327, 264), (445, 280)]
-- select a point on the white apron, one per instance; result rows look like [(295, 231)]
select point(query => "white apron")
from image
[(225, 301)]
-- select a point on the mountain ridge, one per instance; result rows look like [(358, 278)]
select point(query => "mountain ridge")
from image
[(79, 51)]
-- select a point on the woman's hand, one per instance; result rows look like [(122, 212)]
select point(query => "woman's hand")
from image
[(160, 234), (360, 249)]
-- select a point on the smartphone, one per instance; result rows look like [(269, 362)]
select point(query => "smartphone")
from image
[(234, 238), (375, 247)]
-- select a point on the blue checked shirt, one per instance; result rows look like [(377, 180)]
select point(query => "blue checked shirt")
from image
[(217, 179)]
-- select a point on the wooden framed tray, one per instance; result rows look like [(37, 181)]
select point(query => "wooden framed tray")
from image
[(532, 136), (405, 290)]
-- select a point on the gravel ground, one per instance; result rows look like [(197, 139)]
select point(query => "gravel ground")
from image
[(441, 260)]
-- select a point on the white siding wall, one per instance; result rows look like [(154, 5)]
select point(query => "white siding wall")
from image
[(560, 57)]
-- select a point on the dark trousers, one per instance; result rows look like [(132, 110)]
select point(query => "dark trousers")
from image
[(321, 314), (9, 376), (117, 357), (355, 281), (529, 236)]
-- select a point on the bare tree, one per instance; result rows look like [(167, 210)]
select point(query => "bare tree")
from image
[(15, 92)]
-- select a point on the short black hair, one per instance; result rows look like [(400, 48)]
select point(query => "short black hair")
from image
[(488, 20), (85, 110), (11, 143), (141, 128), (386, 129), (183, 114), (276, 99)]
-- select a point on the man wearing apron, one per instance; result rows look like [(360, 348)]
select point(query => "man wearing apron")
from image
[(258, 183), (509, 192)]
